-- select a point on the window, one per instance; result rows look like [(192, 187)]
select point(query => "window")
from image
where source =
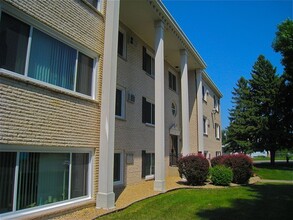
[(118, 164), (205, 126), (122, 43), (34, 54), (218, 153), (148, 112), (120, 103), (217, 131), (174, 109), (41, 178), (96, 3), (148, 164), (216, 103), (148, 62), (172, 82)]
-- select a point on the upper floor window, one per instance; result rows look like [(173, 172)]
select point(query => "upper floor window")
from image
[(148, 112), (174, 109), (122, 43), (172, 81), (120, 103), (148, 62), (205, 126), (217, 131), (34, 54), (96, 3), (216, 103)]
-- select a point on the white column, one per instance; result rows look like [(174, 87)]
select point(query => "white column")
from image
[(199, 111), (105, 195), (185, 103), (159, 184)]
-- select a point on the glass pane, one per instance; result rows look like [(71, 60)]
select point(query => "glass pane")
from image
[(153, 114), (51, 61), (7, 169), (13, 43), (148, 116), (79, 175), (84, 74), (43, 179), (148, 64), (118, 106), (93, 2), (120, 43), (117, 167)]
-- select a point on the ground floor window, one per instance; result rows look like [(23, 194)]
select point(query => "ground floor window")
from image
[(148, 164), (32, 179), (118, 167)]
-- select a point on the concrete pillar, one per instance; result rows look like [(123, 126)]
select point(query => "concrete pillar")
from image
[(105, 195), (199, 111), (159, 184), (185, 103)]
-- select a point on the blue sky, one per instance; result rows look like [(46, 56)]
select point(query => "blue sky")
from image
[(230, 35)]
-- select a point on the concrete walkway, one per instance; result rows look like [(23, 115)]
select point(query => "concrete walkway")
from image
[(276, 181)]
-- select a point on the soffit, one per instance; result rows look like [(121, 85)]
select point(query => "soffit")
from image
[(140, 16)]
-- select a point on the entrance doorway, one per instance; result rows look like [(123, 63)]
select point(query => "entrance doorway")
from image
[(173, 156)]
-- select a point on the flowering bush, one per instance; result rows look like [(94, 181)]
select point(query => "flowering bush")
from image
[(221, 175), (195, 168)]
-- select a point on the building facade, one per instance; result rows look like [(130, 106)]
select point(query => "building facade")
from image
[(94, 95), (50, 97)]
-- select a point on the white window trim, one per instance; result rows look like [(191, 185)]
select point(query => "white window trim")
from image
[(217, 133), (123, 104), (57, 36), (123, 56), (153, 103), (205, 130), (39, 149), (121, 169), (151, 54)]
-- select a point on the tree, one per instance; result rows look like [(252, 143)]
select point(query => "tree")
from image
[(265, 118), (283, 43), (240, 129)]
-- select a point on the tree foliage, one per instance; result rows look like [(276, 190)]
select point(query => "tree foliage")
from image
[(283, 43)]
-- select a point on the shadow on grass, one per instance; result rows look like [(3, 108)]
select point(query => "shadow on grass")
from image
[(270, 201), (277, 166)]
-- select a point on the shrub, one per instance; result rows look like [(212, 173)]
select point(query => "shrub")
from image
[(194, 168), (241, 166), (217, 160), (221, 175)]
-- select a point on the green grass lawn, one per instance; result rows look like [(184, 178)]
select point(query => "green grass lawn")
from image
[(261, 201), (281, 171)]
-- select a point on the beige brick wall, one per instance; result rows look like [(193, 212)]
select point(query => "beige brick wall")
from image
[(211, 144), (131, 135), (33, 115)]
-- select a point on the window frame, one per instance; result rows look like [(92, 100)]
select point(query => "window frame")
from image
[(123, 103), (33, 24), (217, 131), (147, 52), (205, 126), (39, 149), (152, 111), (124, 46), (216, 103), (119, 182), (172, 77)]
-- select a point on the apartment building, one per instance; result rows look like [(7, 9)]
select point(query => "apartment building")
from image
[(96, 94), (51, 60), (165, 106)]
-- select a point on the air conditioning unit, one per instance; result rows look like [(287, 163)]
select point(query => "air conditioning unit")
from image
[(131, 97)]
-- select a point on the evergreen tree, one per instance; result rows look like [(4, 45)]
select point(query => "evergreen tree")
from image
[(240, 129), (283, 43), (265, 118)]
